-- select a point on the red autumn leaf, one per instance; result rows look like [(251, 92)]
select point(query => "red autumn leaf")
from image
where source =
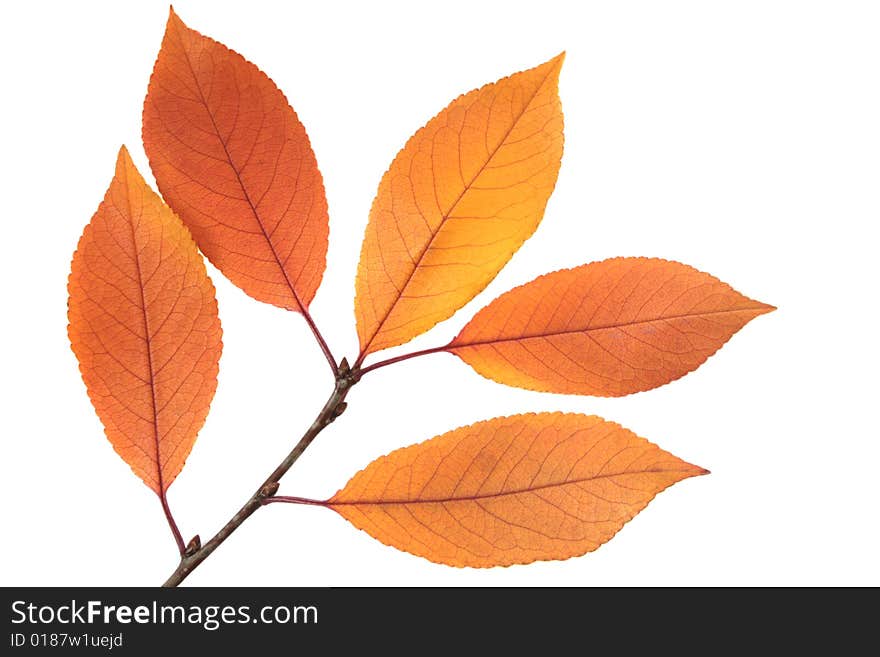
[(233, 160), (144, 326)]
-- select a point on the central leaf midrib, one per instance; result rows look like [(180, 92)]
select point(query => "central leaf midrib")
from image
[(477, 343), (521, 491), (148, 338)]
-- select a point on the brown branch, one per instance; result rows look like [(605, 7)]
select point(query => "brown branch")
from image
[(334, 407)]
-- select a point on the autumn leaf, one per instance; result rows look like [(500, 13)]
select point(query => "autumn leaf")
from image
[(233, 160), (460, 198), (510, 490), (144, 327), (608, 328)]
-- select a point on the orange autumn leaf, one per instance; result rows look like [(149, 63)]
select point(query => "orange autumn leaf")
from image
[(144, 327), (607, 328), (510, 490), (460, 198), (233, 160)]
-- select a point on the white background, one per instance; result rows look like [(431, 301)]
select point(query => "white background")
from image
[(742, 138)]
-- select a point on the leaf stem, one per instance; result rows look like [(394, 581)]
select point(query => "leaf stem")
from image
[(320, 338), (332, 409), (173, 525), (290, 499), (397, 359)]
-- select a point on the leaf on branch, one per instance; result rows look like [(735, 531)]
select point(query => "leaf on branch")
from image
[(510, 490), (144, 326), (460, 198), (607, 328), (233, 160)]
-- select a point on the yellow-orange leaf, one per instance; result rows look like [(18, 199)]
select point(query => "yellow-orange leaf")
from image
[(608, 328), (460, 198), (144, 326), (232, 159), (510, 490)]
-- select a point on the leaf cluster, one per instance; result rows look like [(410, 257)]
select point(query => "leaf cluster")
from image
[(240, 185)]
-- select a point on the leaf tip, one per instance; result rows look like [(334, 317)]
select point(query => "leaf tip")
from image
[(126, 170), (123, 156), (692, 470), (174, 20), (760, 308), (555, 64)]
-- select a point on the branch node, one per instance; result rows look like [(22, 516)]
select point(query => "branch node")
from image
[(269, 490), (194, 545)]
